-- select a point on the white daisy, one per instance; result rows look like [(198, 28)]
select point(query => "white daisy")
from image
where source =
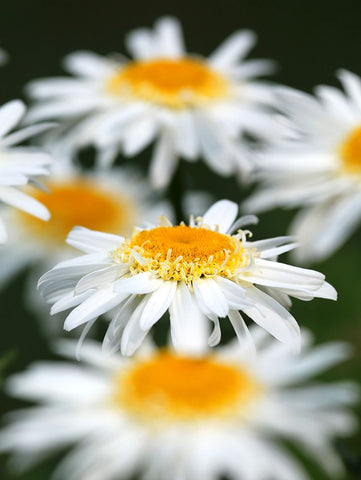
[(191, 106), (319, 170), (161, 415), (105, 201), (199, 272), (18, 165)]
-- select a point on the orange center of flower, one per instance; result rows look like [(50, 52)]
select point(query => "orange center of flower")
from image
[(78, 202), (183, 253), (351, 152), (168, 386), (175, 83)]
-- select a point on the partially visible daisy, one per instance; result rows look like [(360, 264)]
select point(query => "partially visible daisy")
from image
[(19, 165), (199, 272), (319, 170), (106, 201), (161, 415), (190, 106)]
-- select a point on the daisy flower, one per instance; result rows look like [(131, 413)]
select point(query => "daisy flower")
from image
[(162, 415), (18, 165), (104, 201), (199, 272), (189, 105), (319, 170)]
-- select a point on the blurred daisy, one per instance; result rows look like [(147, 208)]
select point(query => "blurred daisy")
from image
[(226, 413), (18, 165), (104, 201), (199, 272), (190, 106), (319, 170)]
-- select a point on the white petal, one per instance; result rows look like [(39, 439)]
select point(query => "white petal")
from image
[(352, 85), (234, 294), (221, 215), (91, 241), (10, 115), (242, 332), (100, 302), (189, 328), (233, 49), (99, 278), (88, 64), (140, 284), (281, 275), (157, 304), (274, 318), (133, 334), (169, 37), (186, 136), (138, 135), (26, 133), (164, 161), (212, 296), (24, 202), (328, 224)]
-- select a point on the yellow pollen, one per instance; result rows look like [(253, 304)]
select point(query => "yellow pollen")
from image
[(351, 152), (78, 202), (169, 386), (175, 83), (183, 253)]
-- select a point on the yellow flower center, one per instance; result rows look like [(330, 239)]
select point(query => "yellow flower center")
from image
[(351, 152), (183, 253), (168, 386), (175, 83), (78, 202)]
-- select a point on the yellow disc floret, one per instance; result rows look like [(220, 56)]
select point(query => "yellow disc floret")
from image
[(351, 152), (183, 253), (175, 83), (169, 386), (77, 202)]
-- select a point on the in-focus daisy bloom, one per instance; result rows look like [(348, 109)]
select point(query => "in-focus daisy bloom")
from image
[(199, 272), (190, 106), (161, 415), (319, 170), (105, 201), (19, 165)]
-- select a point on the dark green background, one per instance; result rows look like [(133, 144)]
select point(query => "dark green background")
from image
[(309, 40)]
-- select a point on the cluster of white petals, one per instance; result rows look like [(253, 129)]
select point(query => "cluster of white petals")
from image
[(19, 165), (190, 106), (318, 170), (139, 290), (77, 408)]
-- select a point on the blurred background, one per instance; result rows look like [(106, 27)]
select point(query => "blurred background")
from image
[(310, 40)]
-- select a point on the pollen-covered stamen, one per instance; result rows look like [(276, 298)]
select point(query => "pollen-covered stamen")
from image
[(351, 152), (78, 202), (183, 253), (175, 83), (168, 386)]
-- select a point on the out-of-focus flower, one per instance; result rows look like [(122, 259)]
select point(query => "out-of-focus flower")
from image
[(319, 170), (199, 272), (104, 201), (18, 165), (191, 106), (3, 56), (161, 415)]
